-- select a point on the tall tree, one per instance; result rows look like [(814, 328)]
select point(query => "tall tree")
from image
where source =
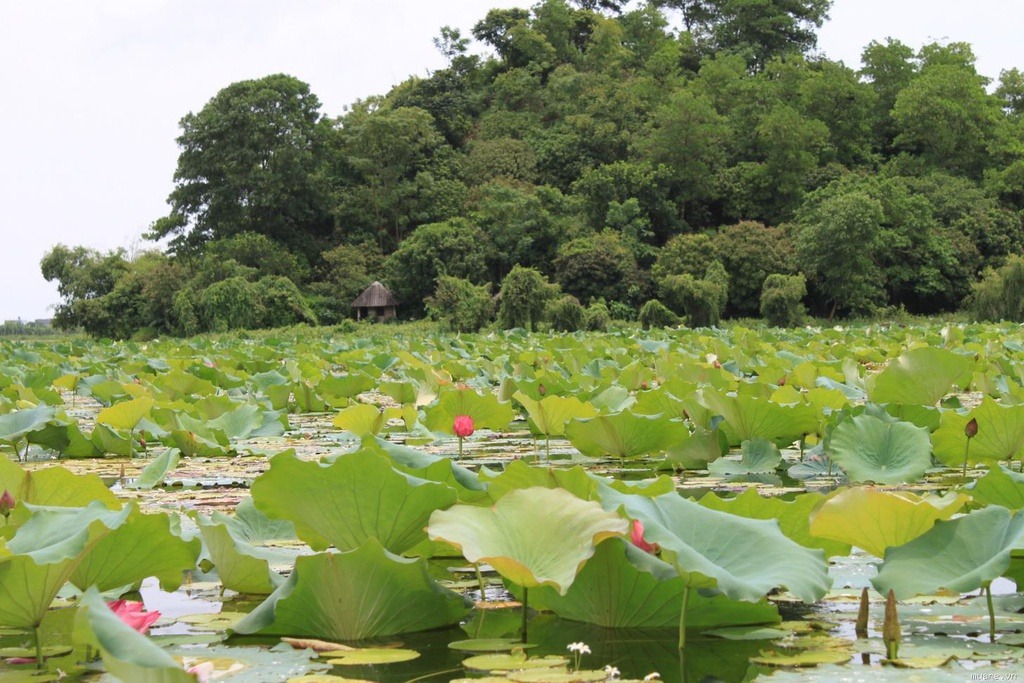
[(250, 162)]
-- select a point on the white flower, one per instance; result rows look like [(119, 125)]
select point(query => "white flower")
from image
[(653, 676), (581, 648), (611, 671)]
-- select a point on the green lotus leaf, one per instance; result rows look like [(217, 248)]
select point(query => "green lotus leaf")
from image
[(515, 661), (363, 593), (177, 384), (431, 467), (240, 566), (622, 586), (519, 475), (961, 555), (1000, 434), (344, 387), (156, 471), (756, 558), (550, 415), (54, 486), (871, 449), (127, 654), (532, 537), (490, 645), (55, 534), (875, 520), (143, 546), (792, 516), (369, 655), (28, 588), (625, 435), (306, 398), (126, 414), (697, 450), (16, 424), (252, 526), (747, 417), (1000, 486), (192, 444), (358, 496), (806, 658), (247, 420), (361, 419), (758, 456), (485, 409), (921, 377)]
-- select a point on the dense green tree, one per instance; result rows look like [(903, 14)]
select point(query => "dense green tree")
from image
[(251, 161), (455, 248), (565, 314), (460, 305), (751, 251), (600, 266), (261, 253), (523, 297), (782, 299)]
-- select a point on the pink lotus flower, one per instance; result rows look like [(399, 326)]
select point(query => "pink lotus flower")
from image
[(132, 613), (463, 426), (637, 537)]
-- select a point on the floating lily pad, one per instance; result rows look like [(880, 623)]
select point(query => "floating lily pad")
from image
[(513, 662), (748, 633), (490, 645), (369, 656), (801, 659), (545, 676)]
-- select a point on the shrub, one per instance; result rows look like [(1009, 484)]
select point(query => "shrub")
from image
[(1000, 293), (596, 318), (654, 314), (523, 297), (230, 305), (565, 314), (282, 303), (596, 266), (703, 300), (460, 305), (782, 300)]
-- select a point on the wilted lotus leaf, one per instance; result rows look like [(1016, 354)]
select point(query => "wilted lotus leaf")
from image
[(532, 537)]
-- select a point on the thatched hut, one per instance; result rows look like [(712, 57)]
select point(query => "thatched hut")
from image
[(376, 302)]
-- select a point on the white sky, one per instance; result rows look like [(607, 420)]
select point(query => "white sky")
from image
[(92, 92)]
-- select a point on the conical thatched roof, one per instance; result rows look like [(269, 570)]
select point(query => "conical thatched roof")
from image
[(375, 296)]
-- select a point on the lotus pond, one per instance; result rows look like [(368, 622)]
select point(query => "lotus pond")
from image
[(817, 504)]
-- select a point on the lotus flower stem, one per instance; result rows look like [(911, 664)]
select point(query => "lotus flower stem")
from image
[(460, 447), (526, 592), (861, 628), (991, 614), (891, 635), (967, 450), (547, 447), (682, 618)]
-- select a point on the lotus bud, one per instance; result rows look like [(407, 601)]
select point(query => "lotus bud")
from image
[(643, 385), (463, 426), (7, 504), (971, 428), (541, 389), (636, 535), (891, 628), (861, 628)]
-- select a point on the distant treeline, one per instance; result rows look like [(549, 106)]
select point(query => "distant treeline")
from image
[(671, 158)]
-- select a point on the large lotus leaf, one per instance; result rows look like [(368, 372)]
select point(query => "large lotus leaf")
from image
[(1000, 434), (157, 470), (127, 654), (625, 435), (747, 417), (358, 496), (757, 456), (192, 444), (699, 449), (252, 526), (54, 486), (306, 398), (919, 377), (240, 566), (550, 415), (430, 467), (16, 424), (246, 421), (126, 414), (177, 384), (55, 534), (144, 546), (361, 419), (871, 449), (743, 558), (961, 555), (344, 387), (519, 475), (27, 588), (1000, 486), (875, 520), (363, 593), (622, 586), (792, 515), (485, 409), (532, 537)]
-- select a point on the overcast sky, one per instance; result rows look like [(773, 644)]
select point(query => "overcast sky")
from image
[(92, 92)]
